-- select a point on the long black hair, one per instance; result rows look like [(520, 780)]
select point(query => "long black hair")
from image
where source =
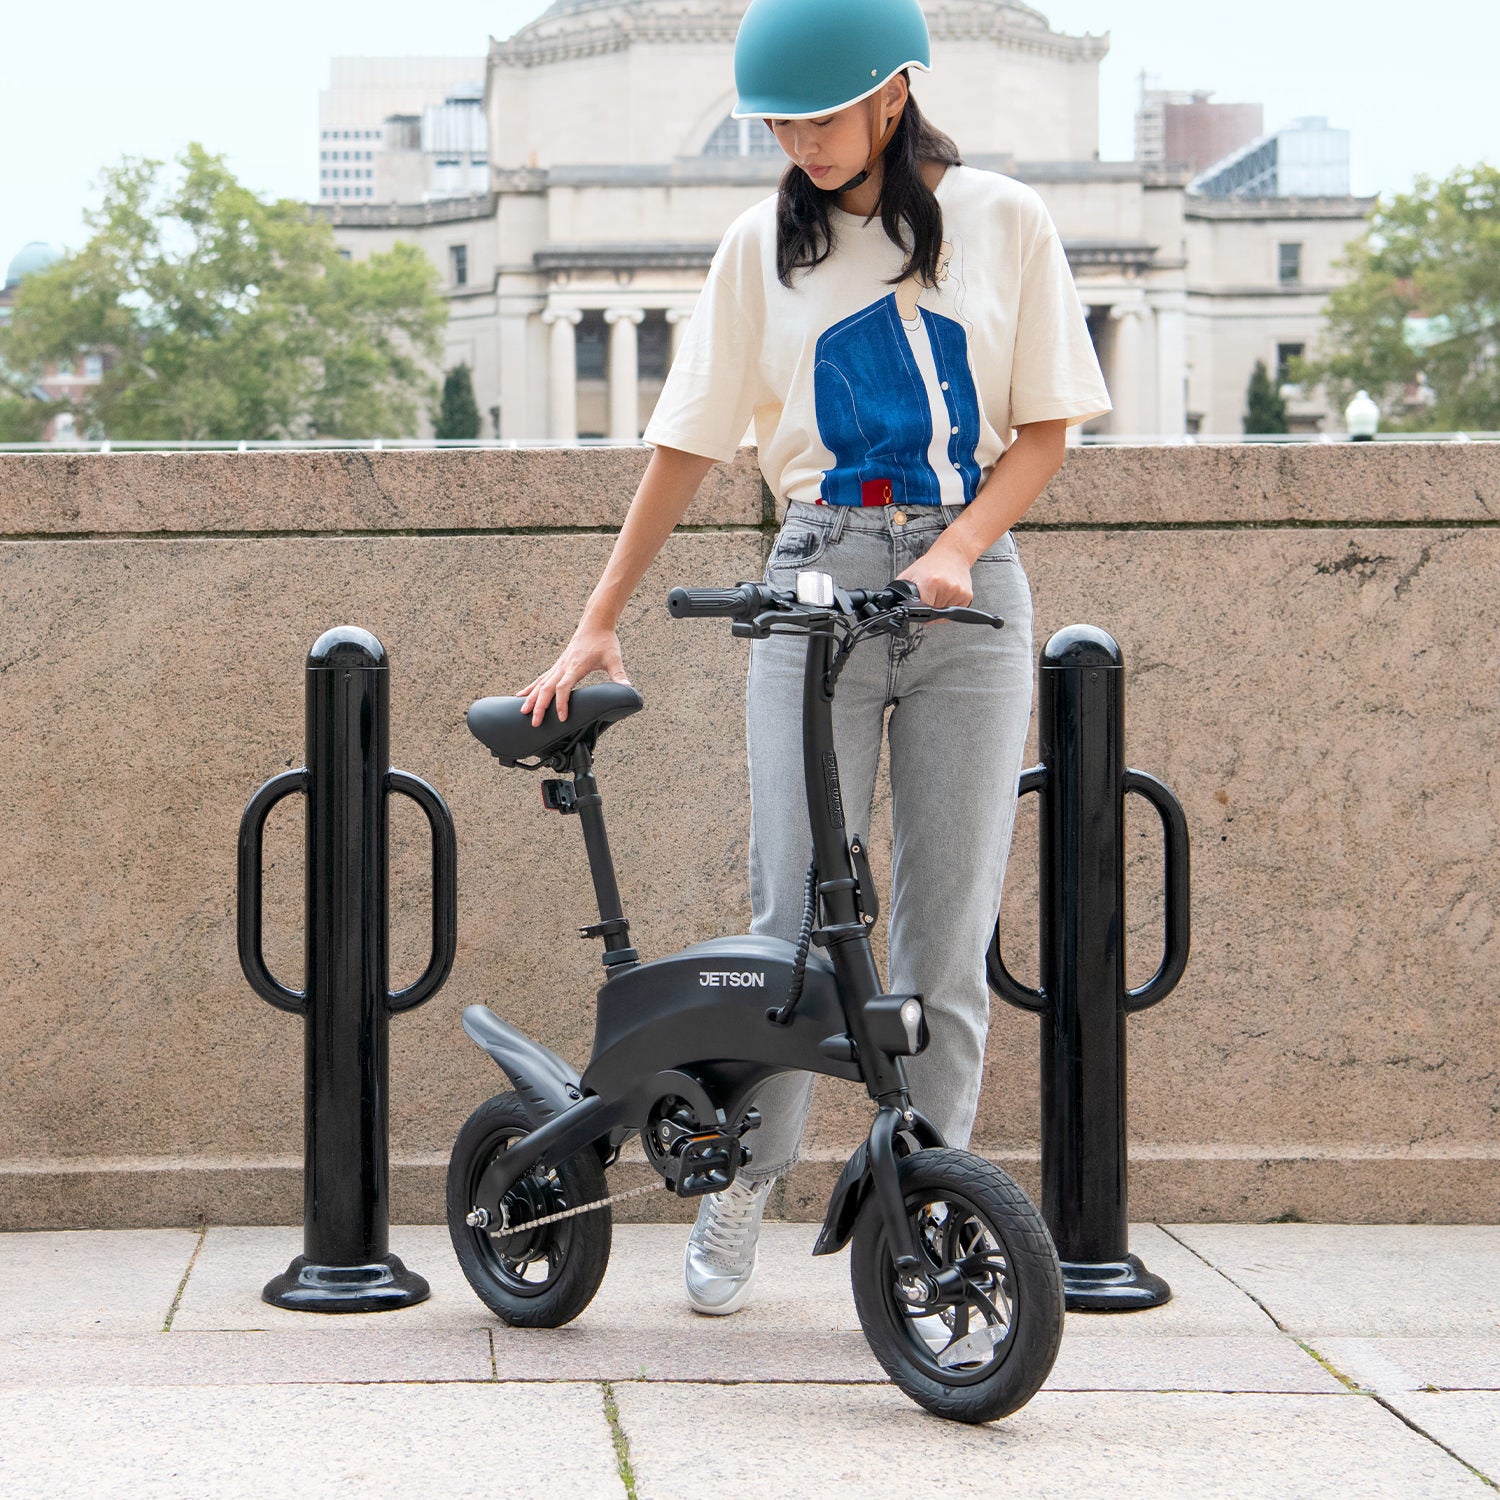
[(909, 211)]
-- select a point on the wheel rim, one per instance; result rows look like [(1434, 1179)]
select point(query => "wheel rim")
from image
[(959, 1316), (525, 1262)]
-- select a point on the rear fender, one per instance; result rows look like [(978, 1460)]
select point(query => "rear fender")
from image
[(547, 1086)]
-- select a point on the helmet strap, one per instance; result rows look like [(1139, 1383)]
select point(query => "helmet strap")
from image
[(883, 139)]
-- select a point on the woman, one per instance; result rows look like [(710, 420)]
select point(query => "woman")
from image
[(887, 320)]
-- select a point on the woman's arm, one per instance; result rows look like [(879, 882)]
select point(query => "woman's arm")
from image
[(942, 573), (666, 490)]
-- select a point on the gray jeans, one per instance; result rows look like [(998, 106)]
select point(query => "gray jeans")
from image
[(959, 701)]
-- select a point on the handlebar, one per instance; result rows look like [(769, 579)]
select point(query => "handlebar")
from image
[(741, 603), (748, 603)]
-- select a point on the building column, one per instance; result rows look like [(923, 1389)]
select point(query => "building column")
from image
[(624, 373), (677, 322), (1171, 364), (563, 416), (1125, 375)]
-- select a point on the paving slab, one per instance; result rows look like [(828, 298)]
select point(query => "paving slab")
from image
[(1362, 1279), (236, 1262), (1467, 1422), (710, 1350), (289, 1357), (816, 1441), (1203, 1302), (525, 1442), (793, 1288), (642, 1289), (1266, 1362), (1455, 1363), (92, 1281)]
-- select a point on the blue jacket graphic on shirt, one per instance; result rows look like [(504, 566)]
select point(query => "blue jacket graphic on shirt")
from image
[(873, 411)]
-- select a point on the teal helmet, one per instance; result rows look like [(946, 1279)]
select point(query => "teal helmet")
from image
[(800, 59)]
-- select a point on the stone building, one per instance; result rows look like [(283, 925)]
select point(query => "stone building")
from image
[(1187, 129), (402, 129), (615, 168)]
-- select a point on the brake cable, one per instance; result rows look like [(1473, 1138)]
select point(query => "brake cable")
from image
[(783, 1016)]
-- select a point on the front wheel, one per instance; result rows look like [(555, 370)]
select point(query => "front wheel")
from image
[(529, 1278), (974, 1333)]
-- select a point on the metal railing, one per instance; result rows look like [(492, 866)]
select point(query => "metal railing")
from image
[(377, 445)]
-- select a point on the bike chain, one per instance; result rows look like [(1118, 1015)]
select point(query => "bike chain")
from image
[(505, 1228)]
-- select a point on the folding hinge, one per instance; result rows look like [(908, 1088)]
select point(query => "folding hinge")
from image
[(559, 796)]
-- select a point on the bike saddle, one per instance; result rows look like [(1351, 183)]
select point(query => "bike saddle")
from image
[(510, 736)]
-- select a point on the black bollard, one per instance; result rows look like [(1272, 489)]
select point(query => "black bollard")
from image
[(346, 1264), (1083, 999)]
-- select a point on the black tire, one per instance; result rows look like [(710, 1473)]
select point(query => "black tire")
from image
[(982, 1352), (542, 1278)]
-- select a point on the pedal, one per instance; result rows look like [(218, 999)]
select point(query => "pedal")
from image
[(702, 1164)]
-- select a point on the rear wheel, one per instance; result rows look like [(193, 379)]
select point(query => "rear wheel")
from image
[(530, 1278), (974, 1332)]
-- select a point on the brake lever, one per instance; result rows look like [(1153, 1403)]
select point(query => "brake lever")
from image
[(758, 628), (957, 612)]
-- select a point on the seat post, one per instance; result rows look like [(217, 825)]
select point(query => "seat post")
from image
[(612, 926)]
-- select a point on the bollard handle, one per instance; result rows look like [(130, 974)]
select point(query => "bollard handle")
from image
[(1178, 891), (1002, 981), (252, 838), (444, 890)]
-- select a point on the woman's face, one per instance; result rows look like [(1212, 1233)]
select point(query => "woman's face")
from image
[(830, 150), (835, 148)]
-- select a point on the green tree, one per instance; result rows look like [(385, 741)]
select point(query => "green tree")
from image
[(223, 316), (1422, 308), (1265, 411), (458, 416), (22, 416)]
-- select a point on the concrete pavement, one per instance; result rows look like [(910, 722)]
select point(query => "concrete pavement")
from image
[(1294, 1360)]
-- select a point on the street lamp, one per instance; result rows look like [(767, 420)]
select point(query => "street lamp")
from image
[(1362, 418)]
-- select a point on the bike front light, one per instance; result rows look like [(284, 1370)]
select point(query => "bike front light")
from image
[(898, 1024)]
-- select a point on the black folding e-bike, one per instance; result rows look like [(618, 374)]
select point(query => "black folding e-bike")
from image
[(955, 1277)]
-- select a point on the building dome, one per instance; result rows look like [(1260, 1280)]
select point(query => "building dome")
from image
[(1018, 14), (35, 256)]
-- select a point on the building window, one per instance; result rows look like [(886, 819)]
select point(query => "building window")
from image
[(1285, 355), (653, 346), (1289, 264), (593, 344), (458, 264), (742, 138), (93, 366)]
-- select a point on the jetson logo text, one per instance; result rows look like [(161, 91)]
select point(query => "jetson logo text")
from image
[(731, 978)]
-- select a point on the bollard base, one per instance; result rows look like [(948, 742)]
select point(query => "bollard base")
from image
[(384, 1284), (1112, 1286)]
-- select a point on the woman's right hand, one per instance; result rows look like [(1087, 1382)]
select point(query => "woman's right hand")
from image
[(592, 649), (671, 480)]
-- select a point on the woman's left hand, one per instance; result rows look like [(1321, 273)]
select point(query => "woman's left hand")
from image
[(942, 577)]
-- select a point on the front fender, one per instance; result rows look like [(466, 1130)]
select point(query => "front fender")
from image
[(545, 1083), (855, 1182), (844, 1204)]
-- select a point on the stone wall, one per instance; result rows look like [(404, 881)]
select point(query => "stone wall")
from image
[(1309, 635)]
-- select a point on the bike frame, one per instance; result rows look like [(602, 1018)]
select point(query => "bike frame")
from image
[(571, 1118)]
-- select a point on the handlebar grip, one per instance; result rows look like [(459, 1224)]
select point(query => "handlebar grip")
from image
[(741, 603)]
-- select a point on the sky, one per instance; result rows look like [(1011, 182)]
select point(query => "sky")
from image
[(88, 83)]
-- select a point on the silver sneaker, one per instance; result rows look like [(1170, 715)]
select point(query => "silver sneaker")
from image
[(721, 1256)]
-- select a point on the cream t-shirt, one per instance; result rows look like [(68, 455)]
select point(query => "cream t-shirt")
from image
[(862, 392)]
